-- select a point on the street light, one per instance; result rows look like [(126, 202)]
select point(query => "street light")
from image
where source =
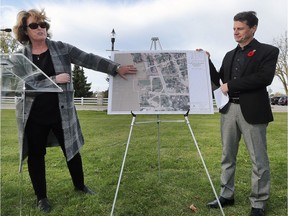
[(113, 39), (6, 30)]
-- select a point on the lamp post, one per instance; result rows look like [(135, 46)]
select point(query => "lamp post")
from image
[(113, 39)]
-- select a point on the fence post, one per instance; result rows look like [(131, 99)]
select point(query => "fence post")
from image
[(82, 101), (99, 100)]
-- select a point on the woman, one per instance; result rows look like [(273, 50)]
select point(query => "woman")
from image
[(47, 116)]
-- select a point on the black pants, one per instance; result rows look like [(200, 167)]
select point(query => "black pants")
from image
[(37, 138)]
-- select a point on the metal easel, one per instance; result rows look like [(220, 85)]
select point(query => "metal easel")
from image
[(158, 126)]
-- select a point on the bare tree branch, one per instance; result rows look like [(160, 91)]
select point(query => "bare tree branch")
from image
[(282, 63)]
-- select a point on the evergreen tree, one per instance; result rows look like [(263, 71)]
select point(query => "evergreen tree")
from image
[(81, 87), (105, 94)]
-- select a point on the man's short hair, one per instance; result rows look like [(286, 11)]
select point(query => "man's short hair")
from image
[(247, 16)]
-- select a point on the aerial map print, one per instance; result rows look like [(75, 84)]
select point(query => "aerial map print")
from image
[(166, 83)]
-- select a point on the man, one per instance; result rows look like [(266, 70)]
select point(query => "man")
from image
[(246, 71)]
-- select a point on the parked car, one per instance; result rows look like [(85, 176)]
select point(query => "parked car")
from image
[(283, 100), (274, 100)]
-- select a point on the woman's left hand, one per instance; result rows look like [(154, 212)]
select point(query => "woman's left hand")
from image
[(126, 69)]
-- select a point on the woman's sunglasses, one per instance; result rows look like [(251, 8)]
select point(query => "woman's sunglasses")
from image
[(35, 25)]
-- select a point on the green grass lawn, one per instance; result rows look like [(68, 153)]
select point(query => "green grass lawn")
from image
[(182, 180)]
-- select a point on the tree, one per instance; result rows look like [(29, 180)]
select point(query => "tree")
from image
[(105, 93), (282, 64), (80, 83), (8, 44)]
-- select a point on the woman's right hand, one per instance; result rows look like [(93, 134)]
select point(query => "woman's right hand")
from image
[(63, 78)]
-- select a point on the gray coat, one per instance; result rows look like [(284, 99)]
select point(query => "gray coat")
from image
[(62, 55)]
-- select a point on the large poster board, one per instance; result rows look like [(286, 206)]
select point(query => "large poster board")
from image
[(167, 82)]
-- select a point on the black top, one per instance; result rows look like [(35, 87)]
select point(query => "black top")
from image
[(45, 109), (240, 59)]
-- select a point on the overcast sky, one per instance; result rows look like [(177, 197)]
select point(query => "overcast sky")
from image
[(179, 25)]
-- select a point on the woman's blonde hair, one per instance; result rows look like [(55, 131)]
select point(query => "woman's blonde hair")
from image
[(21, 24)]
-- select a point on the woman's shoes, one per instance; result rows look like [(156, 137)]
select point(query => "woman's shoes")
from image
[(44, 205), (86, 190)]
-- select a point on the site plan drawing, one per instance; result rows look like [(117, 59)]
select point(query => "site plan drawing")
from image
[(167, 82)]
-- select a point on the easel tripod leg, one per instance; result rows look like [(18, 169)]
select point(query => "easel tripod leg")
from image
[(203, 162), (158, 127), (123, 164)]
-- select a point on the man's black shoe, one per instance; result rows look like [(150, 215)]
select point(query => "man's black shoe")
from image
[(44, 205), (257, 212), (86, 190), (223, 202)]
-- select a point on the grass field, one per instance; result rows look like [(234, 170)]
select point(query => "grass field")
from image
[(182, 179)]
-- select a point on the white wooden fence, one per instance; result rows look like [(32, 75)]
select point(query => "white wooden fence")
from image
[(97, 101)]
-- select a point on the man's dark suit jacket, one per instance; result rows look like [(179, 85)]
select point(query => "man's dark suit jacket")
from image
[(257, 74)]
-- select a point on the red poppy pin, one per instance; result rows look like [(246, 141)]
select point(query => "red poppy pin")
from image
[(251, 53)]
